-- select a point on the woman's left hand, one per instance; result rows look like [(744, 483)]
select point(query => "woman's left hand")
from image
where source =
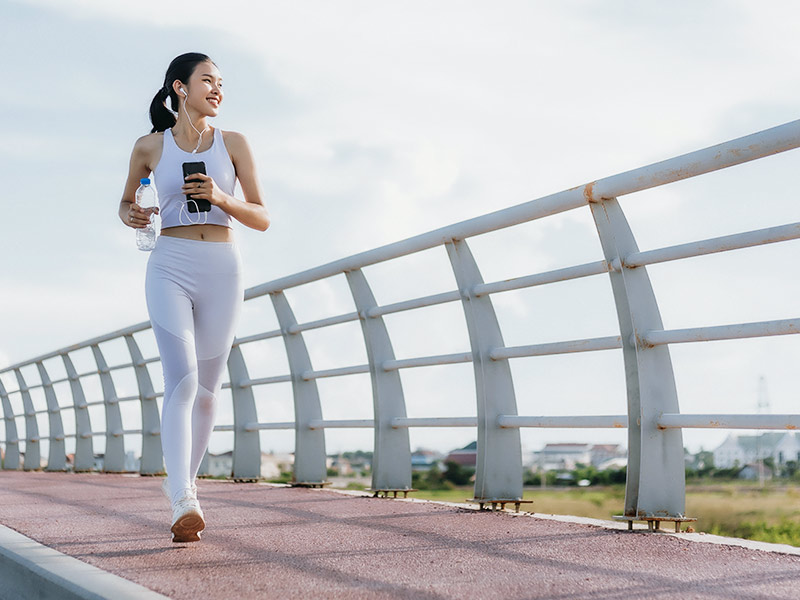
[(203, 187)]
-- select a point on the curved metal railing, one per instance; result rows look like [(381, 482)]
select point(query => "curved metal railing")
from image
[(655, 475)]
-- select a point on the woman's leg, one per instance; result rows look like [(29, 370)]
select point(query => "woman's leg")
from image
[(170, 309), (216, 314)]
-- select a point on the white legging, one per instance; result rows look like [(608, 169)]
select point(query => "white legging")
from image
[(194, 297)]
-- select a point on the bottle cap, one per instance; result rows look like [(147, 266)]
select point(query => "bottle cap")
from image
[(145, 181)]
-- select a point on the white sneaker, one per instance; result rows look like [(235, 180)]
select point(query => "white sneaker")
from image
[(165, 489), (187, 520)]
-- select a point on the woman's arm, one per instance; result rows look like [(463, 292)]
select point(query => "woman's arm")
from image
[(129, 212), (252, 212)]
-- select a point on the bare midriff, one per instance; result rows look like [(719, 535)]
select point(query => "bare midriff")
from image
[(206, 233)]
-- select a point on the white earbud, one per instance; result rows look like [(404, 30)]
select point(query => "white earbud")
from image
[(185, 93)]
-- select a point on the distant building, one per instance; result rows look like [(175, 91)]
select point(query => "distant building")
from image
[(131, 462), (423, 460), (466, 456), (272, 465), (741, 450), (607, 453), (341, 464), (566, 456), (220, 465), (563, 457), (754, 471)]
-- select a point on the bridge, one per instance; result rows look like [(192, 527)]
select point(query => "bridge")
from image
[(386, 539)]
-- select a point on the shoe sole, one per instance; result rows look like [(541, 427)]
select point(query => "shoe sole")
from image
[(188, 527)]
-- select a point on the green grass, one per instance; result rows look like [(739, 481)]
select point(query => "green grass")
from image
[(735, 509)]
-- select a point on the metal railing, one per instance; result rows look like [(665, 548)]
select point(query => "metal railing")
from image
[(655, 475)]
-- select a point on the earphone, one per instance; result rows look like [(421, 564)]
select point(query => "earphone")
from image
[(199, 133)]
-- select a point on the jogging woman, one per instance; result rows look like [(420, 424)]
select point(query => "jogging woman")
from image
[(193, 284)]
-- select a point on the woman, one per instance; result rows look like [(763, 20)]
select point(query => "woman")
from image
[(193, 284)]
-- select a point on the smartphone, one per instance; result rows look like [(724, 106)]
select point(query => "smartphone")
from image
[(198, 205)]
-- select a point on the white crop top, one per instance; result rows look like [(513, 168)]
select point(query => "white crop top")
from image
[(168, 179)]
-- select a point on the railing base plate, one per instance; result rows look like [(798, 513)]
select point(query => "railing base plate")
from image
[(309, 484), (481, 502), (654, 523), (387, 491)]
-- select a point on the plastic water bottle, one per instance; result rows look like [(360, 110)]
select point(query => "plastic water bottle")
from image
[(146, 198)]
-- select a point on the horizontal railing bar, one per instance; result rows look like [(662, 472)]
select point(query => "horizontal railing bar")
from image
[(725, 243), (265, 380), (128, 398), (675, 421), (60, 380), (340, 424), (89, 373), (582, 421), (565, 274), (396, 307), (721, 332), (224, 428), (259, 426), (154, 359), (399, 422), (258, 336), (130, 330), (585, 345), (741, 150), (309, 375), (336, 320), (132, 431), (122, 366), (115, 433), (427, 361), (95, 403)]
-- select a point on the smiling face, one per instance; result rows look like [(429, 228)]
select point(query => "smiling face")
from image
[(205, 89)]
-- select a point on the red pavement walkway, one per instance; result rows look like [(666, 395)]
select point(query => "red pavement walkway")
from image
[(274, 542)]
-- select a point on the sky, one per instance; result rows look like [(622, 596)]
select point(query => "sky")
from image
[(375, 121)]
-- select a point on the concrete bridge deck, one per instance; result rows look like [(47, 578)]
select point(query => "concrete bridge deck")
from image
[(265, 541)]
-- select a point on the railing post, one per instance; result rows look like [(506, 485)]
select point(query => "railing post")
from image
[(655, 483), (57, 454), (152, 461), (309, 456), (391, 460), (499, 469), (246, 444), (11, 461), (114, 459), (84, 441), (33, 457)]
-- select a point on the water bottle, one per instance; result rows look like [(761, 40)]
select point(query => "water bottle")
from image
[(146, 198)]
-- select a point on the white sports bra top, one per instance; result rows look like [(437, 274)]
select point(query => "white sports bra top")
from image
[(168, 179)]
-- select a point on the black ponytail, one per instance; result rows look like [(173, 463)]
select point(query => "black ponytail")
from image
[(181, 68)]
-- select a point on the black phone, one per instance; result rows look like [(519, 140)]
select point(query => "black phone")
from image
[(195, 205)]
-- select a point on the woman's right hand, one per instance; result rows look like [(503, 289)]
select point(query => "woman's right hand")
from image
[(138, 217)]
